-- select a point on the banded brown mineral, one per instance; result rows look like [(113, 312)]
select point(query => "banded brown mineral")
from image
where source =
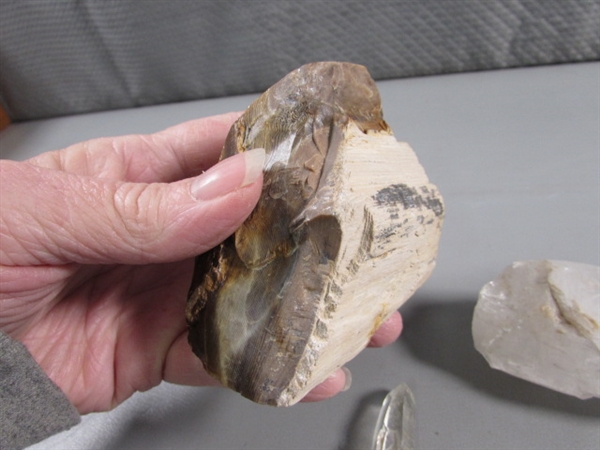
[(346, 229)]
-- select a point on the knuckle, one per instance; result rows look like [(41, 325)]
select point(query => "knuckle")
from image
[(137, 217)]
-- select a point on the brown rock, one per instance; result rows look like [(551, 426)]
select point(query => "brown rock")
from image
[(346, 229)]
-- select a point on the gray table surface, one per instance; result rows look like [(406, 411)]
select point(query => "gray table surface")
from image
[(515, 154)]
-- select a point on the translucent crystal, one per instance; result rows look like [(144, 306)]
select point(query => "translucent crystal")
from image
[(539, 320), (396, 426)]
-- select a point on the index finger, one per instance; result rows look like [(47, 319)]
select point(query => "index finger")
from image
[(195, 145), (178, 152)]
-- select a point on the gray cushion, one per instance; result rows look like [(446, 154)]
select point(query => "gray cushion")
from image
[(61, 58)]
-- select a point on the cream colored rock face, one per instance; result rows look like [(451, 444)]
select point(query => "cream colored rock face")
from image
[(346, 230)]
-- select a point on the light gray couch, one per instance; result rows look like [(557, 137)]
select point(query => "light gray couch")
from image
[(60, 58)]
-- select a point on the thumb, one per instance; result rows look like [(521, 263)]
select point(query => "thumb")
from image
[(53, 217)]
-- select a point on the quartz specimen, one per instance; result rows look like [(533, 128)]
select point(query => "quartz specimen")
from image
[(346, 229), (396, 427), (539, 320)]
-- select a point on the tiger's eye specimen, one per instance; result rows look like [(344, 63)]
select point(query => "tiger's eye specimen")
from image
[(346, 229)]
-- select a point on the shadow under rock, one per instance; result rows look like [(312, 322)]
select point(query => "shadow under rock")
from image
[(440, 335), (361, 427)]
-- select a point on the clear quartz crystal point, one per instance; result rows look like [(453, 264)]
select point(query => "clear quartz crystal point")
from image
[(396, 426)]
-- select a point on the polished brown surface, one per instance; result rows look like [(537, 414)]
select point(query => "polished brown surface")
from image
[(271, 272)]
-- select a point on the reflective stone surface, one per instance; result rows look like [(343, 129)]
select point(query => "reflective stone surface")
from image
[(346, 229)]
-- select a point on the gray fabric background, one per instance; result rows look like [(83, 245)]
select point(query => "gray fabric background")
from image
[(60, 58), (32, 407)]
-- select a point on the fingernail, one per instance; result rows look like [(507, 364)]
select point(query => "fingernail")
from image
[(228, 175), (255, 161), (348, 376)]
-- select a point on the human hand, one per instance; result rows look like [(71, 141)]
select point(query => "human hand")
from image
[(98, 244)]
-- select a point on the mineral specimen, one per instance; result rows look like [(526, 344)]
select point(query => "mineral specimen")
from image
[(539, 320), (346, 229), (396, 427)]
